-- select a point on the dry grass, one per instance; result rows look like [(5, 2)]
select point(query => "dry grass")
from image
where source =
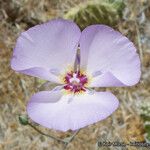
[(15, 89)]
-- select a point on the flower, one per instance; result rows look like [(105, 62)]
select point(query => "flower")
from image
[(50, 51)]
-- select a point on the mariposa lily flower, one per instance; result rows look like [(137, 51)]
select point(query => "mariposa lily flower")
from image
[(49, 51)]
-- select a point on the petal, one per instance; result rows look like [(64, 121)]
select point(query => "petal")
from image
[(49, 46), (109, 52), (70, 112), (106, 80)]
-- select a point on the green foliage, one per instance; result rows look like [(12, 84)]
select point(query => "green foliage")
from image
[(145, 114), (147, 129), (96, 12), (23, 119)]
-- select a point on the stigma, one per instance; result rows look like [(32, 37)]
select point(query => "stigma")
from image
[(75, 82)]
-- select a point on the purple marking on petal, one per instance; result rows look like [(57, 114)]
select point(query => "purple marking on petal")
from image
[(55, 71), (96, 73), (106, 80)]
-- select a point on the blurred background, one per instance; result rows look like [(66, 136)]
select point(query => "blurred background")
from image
[(131, 122)]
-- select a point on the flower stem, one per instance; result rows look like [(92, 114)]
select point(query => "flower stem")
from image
[(73, 136), (64, 141), (70, 139), (55, 138)]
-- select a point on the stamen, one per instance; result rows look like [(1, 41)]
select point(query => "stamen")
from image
[(57, 88), (55, 71), (90, 91), (75, 82), (70, 99)]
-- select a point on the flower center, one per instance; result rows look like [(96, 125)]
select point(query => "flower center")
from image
[(75, 82)]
